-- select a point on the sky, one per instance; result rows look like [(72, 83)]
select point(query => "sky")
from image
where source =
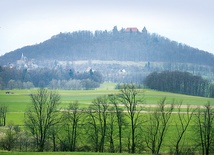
[(29, 22)]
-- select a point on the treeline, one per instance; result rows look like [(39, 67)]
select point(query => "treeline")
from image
[(119, 45), (180, 82), (113, 123), (56, 78)]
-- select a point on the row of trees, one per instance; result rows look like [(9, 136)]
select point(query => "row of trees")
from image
[(180, 82), (12, 78), (113, 123)]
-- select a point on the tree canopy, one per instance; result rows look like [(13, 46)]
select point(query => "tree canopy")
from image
[(179, 82)]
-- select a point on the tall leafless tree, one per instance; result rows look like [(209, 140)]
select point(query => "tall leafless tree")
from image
[(205, 126), (120, 117), (98, 114), (102, 107), (130, 98), (182, 123), (157, 126), (42, 115), (71, 120), (111, 129), (92, 129)]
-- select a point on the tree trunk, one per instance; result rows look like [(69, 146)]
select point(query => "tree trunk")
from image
[(133, 136)]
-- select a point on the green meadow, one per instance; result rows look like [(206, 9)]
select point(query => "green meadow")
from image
[(19, 100)]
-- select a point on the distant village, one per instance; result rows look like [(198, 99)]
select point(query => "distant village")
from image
[(24, 63), (82, 65)]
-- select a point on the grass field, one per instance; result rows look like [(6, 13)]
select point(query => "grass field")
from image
[(18, 101)]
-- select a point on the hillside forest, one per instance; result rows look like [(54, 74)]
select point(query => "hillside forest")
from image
[(128, 44)]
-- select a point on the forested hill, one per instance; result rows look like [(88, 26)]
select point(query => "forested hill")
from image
[(125, 45)]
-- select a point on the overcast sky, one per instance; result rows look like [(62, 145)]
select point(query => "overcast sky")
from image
[(28, 22)]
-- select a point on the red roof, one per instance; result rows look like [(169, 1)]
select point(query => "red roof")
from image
[(131, 29)]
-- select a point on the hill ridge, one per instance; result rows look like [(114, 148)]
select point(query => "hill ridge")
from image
[(118, 45)]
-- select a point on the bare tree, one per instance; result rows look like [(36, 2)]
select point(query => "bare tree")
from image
[(205, 132), (120, 117), (182, 124), (129, 97), (98, 114), (157, 125), (111, 129), (102, 107), (93, 128), (71, 119), (42, 115)]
